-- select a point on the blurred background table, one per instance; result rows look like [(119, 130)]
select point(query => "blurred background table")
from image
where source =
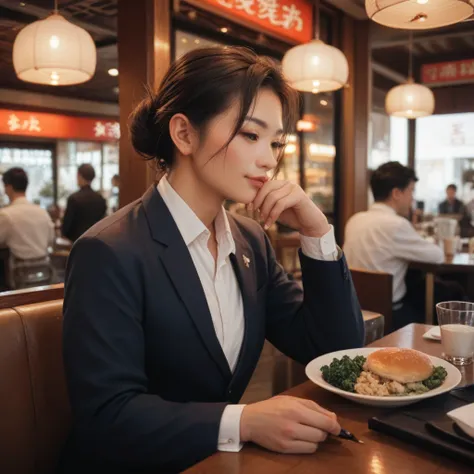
[(460, 263)]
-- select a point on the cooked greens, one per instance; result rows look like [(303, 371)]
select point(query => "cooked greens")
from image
[(343, 373), (436, 379)]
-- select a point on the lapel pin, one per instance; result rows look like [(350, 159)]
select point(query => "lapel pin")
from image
[(246, 260)]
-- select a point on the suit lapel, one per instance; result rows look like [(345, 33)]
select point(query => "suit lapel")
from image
[(182, 272), (245, 270)]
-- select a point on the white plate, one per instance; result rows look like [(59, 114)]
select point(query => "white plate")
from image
[(434, 334), (313, 372)]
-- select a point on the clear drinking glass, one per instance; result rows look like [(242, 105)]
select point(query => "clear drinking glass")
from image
[(456, 320)]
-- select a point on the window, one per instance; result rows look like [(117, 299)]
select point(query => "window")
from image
[(38, 164), (103, 157), (186, 42), (444, 155), (389, 140)]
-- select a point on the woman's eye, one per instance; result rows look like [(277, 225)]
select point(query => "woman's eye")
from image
[(278, 145), (253, 137)]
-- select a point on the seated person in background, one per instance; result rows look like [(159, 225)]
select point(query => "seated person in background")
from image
[(451, 205), (25, 228), (470, 211), (382, 239), (84, 208)]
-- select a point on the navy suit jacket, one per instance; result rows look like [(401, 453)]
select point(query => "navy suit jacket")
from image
[(147, 378)]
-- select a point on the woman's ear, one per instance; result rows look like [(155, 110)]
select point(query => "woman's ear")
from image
[(183, 134)]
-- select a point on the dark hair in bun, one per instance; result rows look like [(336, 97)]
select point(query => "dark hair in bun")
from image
[(202, 84)]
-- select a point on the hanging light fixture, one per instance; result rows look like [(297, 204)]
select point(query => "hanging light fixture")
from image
[(53, 51), (410, 100), (418, 14), (315, 66)]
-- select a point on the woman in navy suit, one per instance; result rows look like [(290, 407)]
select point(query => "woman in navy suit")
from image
[(168, 301)]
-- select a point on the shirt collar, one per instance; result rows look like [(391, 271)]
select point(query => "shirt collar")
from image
[(189, 224), (380, 206), (20, 200)]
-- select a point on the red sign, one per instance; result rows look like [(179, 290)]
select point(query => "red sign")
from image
[(288, 19), (450, 72), (33, 124)]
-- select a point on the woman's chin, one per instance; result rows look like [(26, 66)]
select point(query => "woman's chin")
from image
[(243, 196)]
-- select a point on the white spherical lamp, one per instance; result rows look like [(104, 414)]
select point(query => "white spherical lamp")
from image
[(315, 67), (53, 51), (418, 14), (410, 101)]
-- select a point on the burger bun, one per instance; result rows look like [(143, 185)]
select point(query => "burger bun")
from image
[(401, 365)]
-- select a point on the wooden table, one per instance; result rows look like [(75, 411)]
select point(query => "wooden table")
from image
[(381, 454), (460, 263)]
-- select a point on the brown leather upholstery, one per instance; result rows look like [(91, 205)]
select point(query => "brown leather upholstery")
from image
[(34, 407)]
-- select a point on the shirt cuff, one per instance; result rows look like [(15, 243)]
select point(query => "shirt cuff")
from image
[(323, 248), (229, 429)]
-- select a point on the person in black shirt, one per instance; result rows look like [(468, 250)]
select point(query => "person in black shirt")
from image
[(452, 205), (85, 207)]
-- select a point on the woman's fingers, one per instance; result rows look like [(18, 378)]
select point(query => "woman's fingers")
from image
[(272, 199), (267, 188)]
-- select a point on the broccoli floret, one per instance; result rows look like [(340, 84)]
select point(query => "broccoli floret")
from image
[(436, 379), (343, 373)]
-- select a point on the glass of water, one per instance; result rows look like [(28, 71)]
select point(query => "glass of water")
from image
[(456, 320)]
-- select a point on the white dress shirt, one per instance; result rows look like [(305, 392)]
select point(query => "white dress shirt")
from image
[(26, 229), (383, 241), (222, 290)]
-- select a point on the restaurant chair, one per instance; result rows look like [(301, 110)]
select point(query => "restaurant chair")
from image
[(374, 290), (286, 246), (34, 408), (58, 264), (30, 273)]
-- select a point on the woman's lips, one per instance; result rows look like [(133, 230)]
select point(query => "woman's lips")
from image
[(257, 181)]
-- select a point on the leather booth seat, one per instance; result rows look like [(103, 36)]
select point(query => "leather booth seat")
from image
[(35, 415)]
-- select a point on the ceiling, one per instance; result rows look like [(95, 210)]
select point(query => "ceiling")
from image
[(391, 50), (98, 17), (390, 47)]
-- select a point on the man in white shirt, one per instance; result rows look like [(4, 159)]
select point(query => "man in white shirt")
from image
[(25, 228), (382, 239)]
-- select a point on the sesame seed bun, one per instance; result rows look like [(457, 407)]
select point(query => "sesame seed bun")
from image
[(401, 365)]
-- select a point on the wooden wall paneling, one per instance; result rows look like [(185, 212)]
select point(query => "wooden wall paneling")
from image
[(363, 106), (356, 106), (411, 143), (144, 37), (454, 99)]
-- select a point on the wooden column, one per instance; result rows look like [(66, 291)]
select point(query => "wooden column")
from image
[(411, 143), (144, 38), (356, 104)]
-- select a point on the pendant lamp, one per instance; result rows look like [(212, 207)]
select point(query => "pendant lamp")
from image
[(410, 100), (315, 66), (53, 51), (418, 14)]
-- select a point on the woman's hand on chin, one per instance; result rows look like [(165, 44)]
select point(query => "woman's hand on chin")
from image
[(290, 205)]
